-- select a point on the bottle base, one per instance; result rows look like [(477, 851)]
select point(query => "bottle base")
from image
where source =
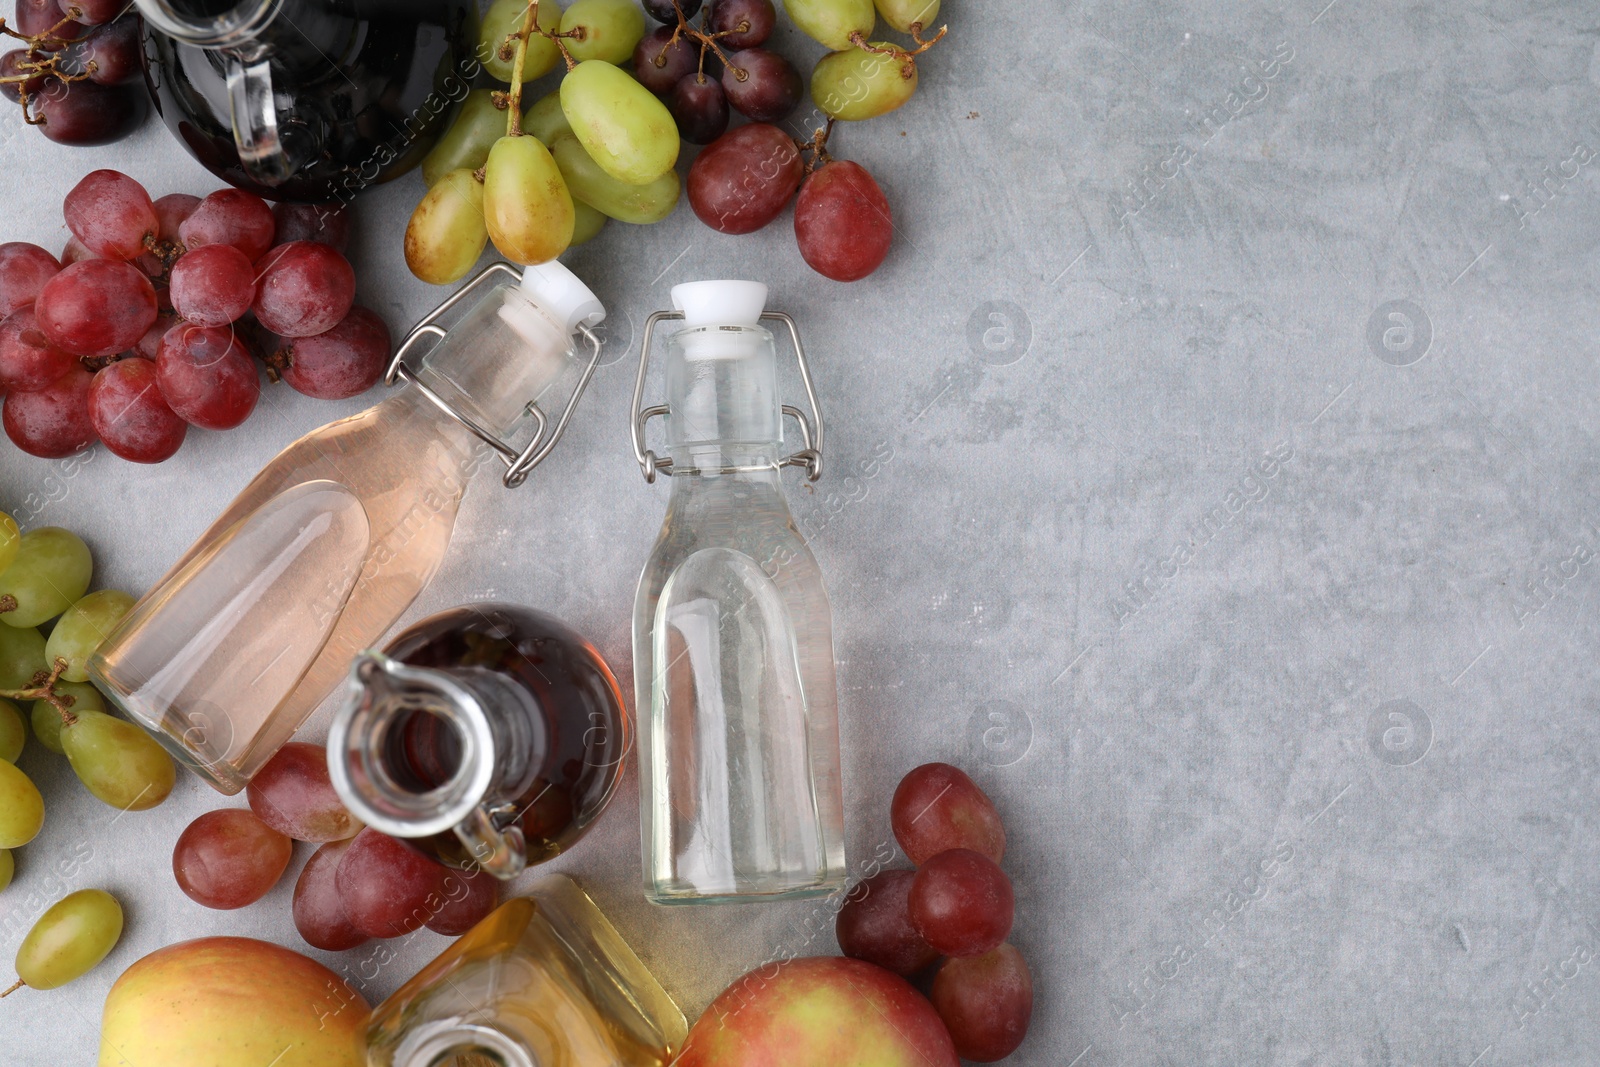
[(676, 895)]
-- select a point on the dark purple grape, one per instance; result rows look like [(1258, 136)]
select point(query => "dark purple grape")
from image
[(87, 113), (114, 49), (762, 85), (10, 67), (700, 108), (38, 18), (92, 12), (659, 62), (746, 23), (327, 224), (666, 11)]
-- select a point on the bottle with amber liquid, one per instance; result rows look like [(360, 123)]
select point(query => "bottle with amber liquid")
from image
[(544, 981), (489, 736)]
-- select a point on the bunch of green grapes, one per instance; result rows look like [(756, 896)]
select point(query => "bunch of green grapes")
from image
[(538, 182), (44, 575), (863, 78)]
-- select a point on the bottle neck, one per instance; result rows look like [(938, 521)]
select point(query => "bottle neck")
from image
[(417, 751), (724, 416)]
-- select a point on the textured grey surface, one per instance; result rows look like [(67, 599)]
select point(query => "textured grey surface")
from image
[(1299, 767)]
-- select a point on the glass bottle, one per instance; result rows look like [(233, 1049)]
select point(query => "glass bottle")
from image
[(740, 795), (487, 736), (258, 621), (543, 981)]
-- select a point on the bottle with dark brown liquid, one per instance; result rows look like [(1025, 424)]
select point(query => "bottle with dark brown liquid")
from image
[(488, 736)]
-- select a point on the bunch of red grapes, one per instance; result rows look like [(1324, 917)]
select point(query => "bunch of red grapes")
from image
[(78, 74), (958, 904), (747, 176), (358, 884), (157, 313)]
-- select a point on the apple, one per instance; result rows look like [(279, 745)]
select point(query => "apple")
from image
[(822, 1011), (227, 1001)]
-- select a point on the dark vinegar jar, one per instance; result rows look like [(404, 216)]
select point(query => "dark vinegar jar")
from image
[(488, 736)]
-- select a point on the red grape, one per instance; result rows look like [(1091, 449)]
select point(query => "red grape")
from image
[(387, 888), (665, 11), (742, 23), (38, 17), (111, 214), (96, 307), (131, 416), (207, 376), (305, 288), (149, 346), (468, 898), (229, 858), (961, 903), (24, 268), (293, 794), (54, 421), (27, 358), (700, 108), (114, 50), (212, 285), (985, 1002), (659, 62), (875, 925), (12, 65), (318, 913), (230, 217), (744, 178), (346, 360), (762, 85), (327, 224), (73, 251), (172, 210), (842, 222), (92, 12), (87, 113), (937, 807)]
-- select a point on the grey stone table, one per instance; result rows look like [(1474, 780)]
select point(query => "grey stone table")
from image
[(1212, 473)]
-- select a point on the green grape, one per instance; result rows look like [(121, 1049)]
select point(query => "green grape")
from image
[(119, 763), (70, 939), (13, 731), (586, 222), (466, 143), (623, 126), (81, 629), (52, 569), (545, 119), (8, 867), (611, 29), (526, 206), (504, 18), (21, 656), (832, 21), (10, 540), (446, 233), (21, 807), (903, 14), (46, 717), (856, 85), (626, 203)]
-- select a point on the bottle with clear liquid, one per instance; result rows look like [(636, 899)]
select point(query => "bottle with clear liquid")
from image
[(543, 981), (259, 620), (740, 794)]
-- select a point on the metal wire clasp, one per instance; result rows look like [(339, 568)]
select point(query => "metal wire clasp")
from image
[(809, 457), (518, 462)]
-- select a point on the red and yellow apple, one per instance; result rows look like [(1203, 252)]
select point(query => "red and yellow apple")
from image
[(227, 1001), (824, 1011)]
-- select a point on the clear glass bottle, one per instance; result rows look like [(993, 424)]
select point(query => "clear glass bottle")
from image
[(543, 981), (258, 621), (740, 796), (487, 736)]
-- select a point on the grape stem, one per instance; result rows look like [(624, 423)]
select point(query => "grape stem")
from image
[(31, 67), (42, 686), (18, 984), (818, 146), (705, 40), (908, 59)]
